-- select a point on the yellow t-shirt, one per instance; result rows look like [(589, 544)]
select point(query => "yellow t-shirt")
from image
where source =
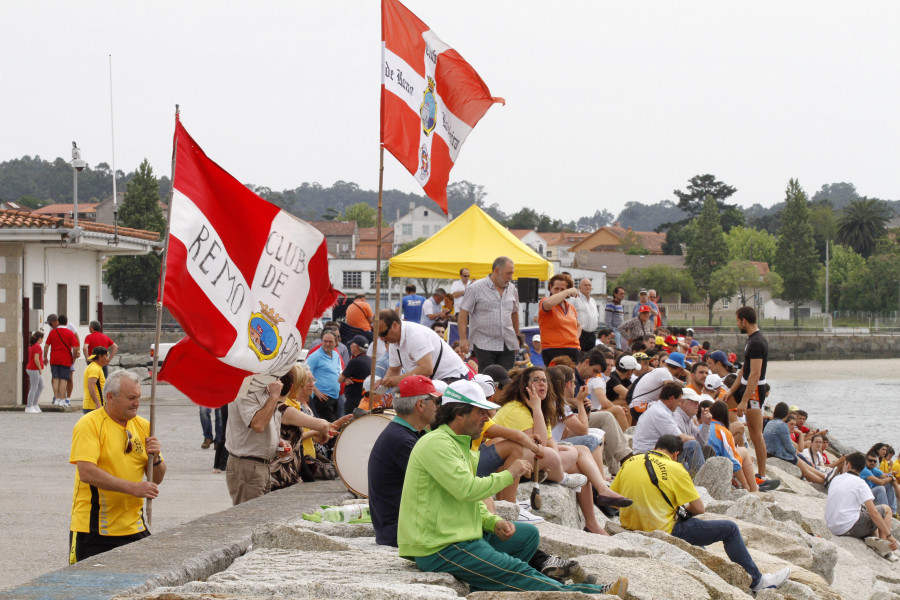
[(309, 446), (516, 415), (98, 439), (93, 370), (476, 442), (650, 511)]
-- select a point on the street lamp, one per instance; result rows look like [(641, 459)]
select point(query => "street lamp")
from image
[(78, 166)]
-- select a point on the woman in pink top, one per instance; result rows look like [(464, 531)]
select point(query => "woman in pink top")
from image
[(35, 370)]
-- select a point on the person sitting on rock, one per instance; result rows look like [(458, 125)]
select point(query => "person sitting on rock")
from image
[(722, 441), (778, 443), (665, 499), (851, 508), (444, 525)]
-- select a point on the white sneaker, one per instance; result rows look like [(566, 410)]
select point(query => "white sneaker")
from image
[(882, 547), (772, 580), (525, 516), (53, 403), (66, 403), (573, 481), (32, 409)]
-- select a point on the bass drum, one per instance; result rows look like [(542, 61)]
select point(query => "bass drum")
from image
[(353, 447)]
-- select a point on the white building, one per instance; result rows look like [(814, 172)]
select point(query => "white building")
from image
[(419, 222), (45, 268), (532, 239), (784, 310)]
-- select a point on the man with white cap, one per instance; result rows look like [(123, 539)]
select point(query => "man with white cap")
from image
[(416, 408), (694, 424), (659, 420), (646, 390), (444, 525), (536, 359)]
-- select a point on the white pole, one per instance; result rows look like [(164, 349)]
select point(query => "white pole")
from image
[(112, 135)]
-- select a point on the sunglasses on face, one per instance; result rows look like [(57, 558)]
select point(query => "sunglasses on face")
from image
[(129, 446)]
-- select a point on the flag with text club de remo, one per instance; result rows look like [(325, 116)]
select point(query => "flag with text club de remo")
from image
[(243, 278), (431, 98)]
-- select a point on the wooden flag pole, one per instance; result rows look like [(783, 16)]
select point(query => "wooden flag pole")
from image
[(376, 324), (159, 306)]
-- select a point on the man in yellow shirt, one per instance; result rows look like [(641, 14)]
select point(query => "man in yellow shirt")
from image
[(665, 498), (94, 379), (111, 448)]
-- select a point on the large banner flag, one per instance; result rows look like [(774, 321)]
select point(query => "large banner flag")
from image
[(431, 98), (243, 278)]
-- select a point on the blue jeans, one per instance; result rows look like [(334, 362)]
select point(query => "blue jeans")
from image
[(206, 424), (619, 340), (702, 533), (884, 494), (692, 457)]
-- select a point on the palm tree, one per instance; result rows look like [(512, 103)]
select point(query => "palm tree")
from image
[(862, 223)]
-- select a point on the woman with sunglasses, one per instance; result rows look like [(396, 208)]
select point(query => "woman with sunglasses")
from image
[(528, 404)]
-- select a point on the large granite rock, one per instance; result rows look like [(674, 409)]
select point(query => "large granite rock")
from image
[(356, 574), (783, 466), (716, 475), (558, 504), (790, 483)]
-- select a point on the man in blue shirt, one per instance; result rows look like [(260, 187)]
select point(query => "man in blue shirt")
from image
[(326, 366), (536, 358), (411, 305), (881, 485), (416, 408)]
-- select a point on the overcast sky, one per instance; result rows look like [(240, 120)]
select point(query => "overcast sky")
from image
[(607, 102)]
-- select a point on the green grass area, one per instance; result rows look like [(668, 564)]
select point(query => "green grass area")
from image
[(817, 323)]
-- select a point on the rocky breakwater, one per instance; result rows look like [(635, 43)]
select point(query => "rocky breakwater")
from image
[(301, 559)]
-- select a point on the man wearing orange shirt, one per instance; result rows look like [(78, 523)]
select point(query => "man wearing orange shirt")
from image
[(359, 313)]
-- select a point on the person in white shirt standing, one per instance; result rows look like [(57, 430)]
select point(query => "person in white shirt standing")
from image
[(459, 286), (588, 314), (489, 317)]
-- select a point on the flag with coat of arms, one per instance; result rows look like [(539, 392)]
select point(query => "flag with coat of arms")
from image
[(431, 98), (244, 279)]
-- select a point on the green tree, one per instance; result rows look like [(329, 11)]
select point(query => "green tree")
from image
[(862, 223), (844, 265), (693, 200), (824, 223), (743, 279), (875, 287), (746, 243), (707, 251), (362, 213), (137, 277), (665, 279), (795, 258)]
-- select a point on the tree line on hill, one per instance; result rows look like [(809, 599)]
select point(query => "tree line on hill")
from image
[(717, 238)]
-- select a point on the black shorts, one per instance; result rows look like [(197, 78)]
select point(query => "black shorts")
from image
[(84, 545), (759, 396)]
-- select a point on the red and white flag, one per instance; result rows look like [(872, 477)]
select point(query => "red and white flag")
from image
[(243, 278), (431, 98)]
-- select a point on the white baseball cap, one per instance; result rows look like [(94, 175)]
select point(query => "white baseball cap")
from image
[(713, 382), (467, 392), (628, 363)]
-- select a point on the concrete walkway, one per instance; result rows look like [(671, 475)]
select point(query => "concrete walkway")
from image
[(36, 496)]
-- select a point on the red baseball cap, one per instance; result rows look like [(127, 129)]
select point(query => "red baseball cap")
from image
[(671, 341), (416, 385), (645, 308), (732, 357)]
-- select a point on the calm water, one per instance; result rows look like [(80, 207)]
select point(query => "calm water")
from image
[(858, 401)]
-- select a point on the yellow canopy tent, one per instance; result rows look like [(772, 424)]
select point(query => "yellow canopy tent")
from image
[(471, 240)]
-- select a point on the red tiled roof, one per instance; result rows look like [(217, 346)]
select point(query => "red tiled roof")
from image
[(54, 209), (369, 250), (370, 234), (564, 237), (762, 267), (15, 219), (335, 227), (520, 233)]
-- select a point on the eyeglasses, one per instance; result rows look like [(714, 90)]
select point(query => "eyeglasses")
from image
[(382, 334), (128, 445), (537, 380)]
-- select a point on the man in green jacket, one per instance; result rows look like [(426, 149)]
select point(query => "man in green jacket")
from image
[(444, 525)]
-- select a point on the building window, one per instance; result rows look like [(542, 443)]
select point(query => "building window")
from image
[(62, 292), (425, 212), (406, 229), (371, 279), (353, 279), (37, 296), (540, 248), (84, 304), (549, 253)]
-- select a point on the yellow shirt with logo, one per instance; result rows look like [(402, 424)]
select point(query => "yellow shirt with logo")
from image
[(650, 511), (309, 446), (476, 442), (516, 415), (98, 439), (96, 371)]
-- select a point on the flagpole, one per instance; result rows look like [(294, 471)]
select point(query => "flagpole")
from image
[(377, 323), (159, 306)]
